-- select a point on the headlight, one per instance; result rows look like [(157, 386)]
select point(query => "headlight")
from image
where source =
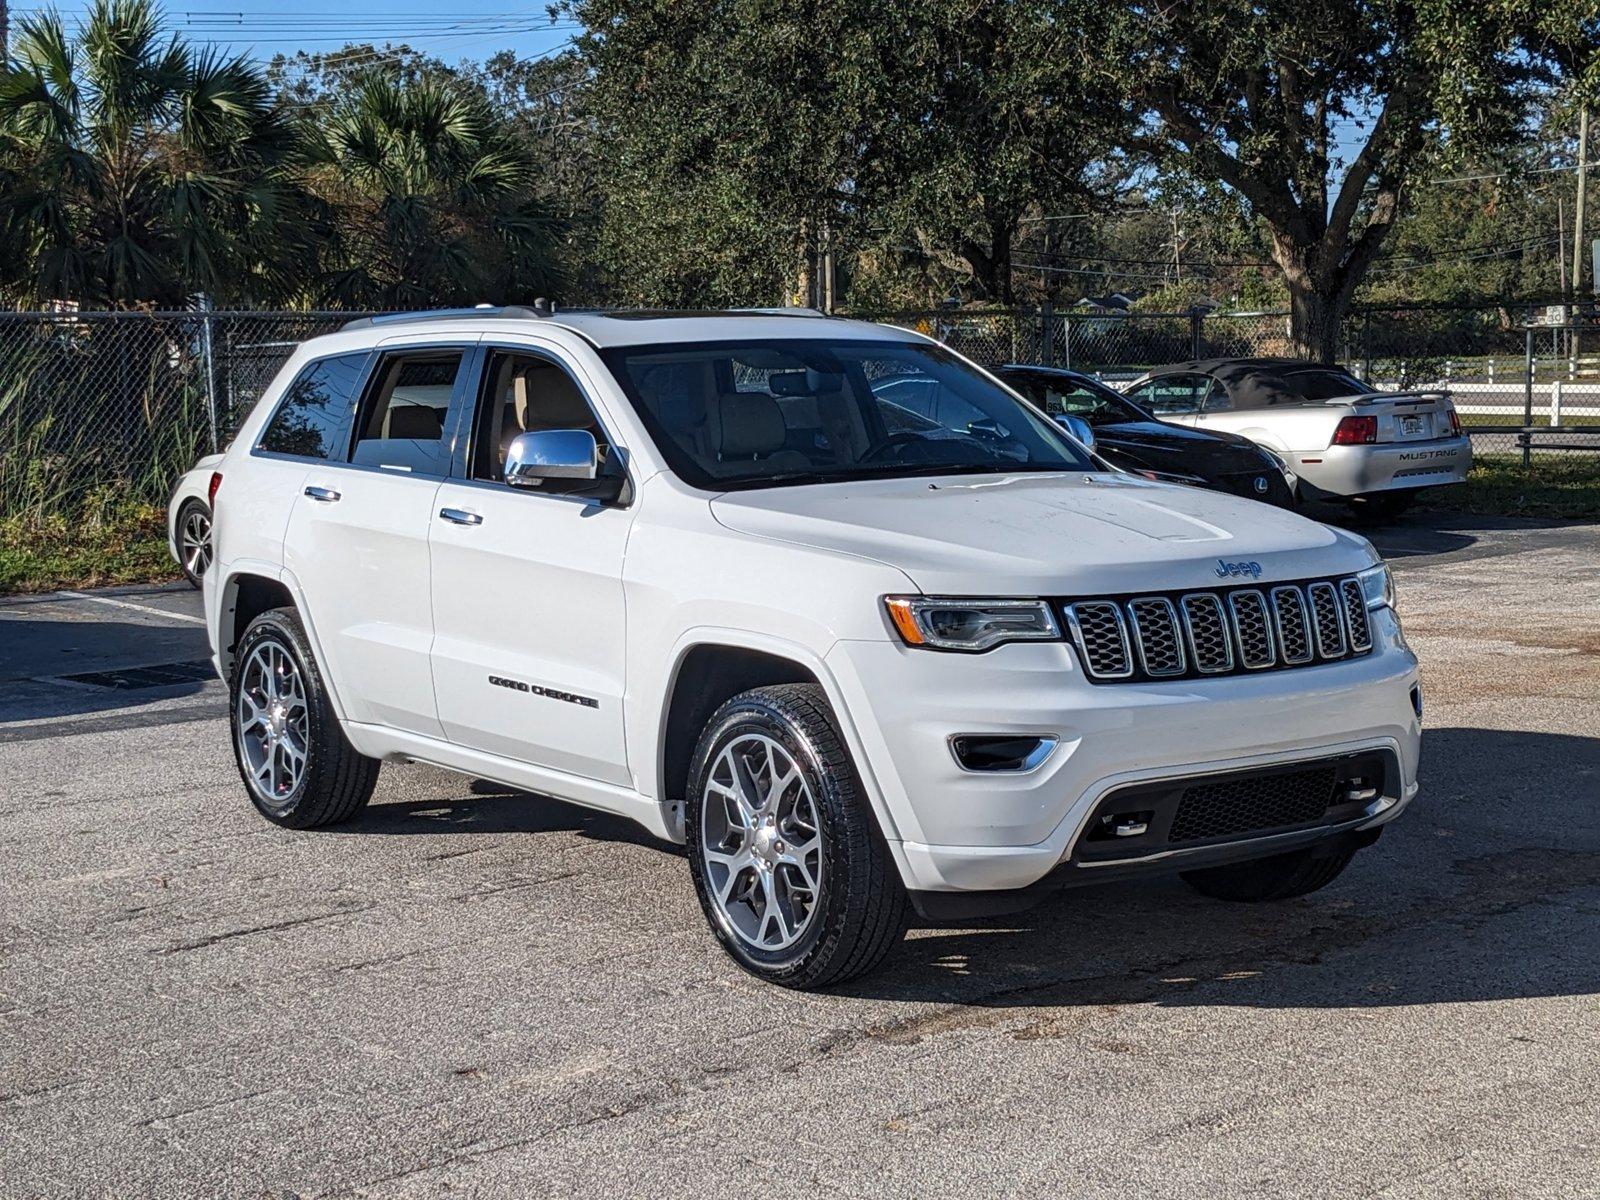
[(1377, 584), (971, 625)]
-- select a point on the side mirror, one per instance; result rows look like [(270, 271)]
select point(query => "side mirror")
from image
[(533, 458), (1078, 428)]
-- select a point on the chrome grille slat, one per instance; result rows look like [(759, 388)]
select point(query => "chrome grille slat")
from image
[(1293, 623), (1101, 633), (1355, 615), (1222, 632), (1252, 629), (1210, 644), (1157, 637), (1327, 619)]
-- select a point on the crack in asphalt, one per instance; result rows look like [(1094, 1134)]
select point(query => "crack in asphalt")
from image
[(273, 927)]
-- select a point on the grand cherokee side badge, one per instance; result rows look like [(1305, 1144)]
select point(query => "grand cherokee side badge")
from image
[(533, 689)]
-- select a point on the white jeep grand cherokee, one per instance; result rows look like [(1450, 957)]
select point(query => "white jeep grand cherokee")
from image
[(702, 571)]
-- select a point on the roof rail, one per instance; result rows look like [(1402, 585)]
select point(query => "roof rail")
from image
[(541, 308)]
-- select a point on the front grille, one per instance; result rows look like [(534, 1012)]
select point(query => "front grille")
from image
[(1212, 810), (1098, 628), (1197, 634)]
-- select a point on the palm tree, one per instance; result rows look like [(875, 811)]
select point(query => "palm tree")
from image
[(429, 197), (137, 170)]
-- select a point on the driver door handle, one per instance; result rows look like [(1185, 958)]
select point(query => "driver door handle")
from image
[(461, 516), (324, 494)]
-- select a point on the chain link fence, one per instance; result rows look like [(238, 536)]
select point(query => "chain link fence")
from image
[(98, 408), (102, 407)]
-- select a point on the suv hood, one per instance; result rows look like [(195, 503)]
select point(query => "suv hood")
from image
[(1047, 535)]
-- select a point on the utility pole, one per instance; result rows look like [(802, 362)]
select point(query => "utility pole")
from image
[(1577, 221)]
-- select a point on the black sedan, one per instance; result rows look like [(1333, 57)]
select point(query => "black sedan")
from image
[(1128, 437)]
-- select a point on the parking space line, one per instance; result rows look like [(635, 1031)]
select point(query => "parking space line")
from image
[(144, 608)]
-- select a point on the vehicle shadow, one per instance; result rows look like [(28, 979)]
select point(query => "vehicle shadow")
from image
[(492, 808), (1476, 893)]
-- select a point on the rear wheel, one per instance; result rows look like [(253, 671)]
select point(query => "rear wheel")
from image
[(1281, 877), (192, 534), (793, 875), (297, 765)]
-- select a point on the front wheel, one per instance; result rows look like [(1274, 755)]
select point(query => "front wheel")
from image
[(793, 874)]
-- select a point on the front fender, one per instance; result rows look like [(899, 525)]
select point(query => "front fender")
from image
[(652, 734)]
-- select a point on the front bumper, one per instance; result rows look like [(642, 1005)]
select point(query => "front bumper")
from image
[(956, 830), (1391, 466)]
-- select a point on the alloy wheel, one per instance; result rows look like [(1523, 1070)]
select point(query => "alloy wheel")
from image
[(194, 542), (273, 723), (761, 844)]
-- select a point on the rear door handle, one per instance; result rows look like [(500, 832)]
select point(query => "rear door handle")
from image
[(326, 495), (461, 516)]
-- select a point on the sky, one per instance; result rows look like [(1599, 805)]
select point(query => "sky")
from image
[(459, 29)]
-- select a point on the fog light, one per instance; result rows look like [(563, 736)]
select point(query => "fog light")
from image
[(979, 752)]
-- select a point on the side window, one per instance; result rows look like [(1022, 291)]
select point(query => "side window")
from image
[(404, 421), (1172, 395), (1217, 399), (523, 393), (313, 418)]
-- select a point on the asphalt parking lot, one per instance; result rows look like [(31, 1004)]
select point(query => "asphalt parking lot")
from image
[(470, 990)]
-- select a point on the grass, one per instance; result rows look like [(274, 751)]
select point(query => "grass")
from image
[(1562, 486), (109, 543)]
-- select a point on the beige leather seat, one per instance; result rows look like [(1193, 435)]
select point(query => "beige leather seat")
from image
[(543, 397), (748, 426)]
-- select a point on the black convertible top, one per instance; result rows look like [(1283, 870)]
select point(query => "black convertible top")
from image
[(1252, 382)]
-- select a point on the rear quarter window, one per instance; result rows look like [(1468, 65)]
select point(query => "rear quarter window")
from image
[(313, 418)]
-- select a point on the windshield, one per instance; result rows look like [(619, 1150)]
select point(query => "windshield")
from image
[(1069, 396), (752, 414)]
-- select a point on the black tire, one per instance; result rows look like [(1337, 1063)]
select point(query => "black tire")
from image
[(336, 781), (1384, 506), (1281, 877), (862, 908), (189, 509)]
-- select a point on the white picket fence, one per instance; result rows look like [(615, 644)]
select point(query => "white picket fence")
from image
[(1560, 400)]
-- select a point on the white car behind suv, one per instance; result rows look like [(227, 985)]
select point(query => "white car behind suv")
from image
[(1345, 439), (693, 569)]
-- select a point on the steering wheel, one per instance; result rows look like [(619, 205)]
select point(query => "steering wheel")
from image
[(893, 442)]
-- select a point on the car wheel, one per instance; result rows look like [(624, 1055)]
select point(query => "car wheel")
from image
[(297, 765), (1281, 877), (1384, 505), (792, 871), (192, 535)]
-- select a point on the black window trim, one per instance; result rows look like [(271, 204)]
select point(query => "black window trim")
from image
[(452, 430), (467, 423), (360, 390)]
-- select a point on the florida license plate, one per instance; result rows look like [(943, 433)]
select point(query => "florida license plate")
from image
[(1410, 425)]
